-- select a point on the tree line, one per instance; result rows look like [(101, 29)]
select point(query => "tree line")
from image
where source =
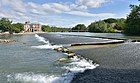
[(109, 25), (47, 28)]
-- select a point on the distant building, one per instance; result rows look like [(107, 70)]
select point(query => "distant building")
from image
[(32, 27)]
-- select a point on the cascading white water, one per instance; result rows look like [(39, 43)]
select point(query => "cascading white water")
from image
[(47, 44), (77, 64)]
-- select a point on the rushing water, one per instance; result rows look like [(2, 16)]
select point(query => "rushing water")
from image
[(33, 60)]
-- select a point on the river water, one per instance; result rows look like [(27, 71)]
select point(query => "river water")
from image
[(33, 60)]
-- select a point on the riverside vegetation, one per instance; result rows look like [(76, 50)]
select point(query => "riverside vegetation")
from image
[(128, 26)]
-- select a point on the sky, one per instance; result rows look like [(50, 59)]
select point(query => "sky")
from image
[(64, 13)]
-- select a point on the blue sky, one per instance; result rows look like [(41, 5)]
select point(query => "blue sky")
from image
[(64, 13)]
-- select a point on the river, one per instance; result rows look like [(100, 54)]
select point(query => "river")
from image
[(32, 59)]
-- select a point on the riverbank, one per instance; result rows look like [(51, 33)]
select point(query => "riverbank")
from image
[(7, 33)]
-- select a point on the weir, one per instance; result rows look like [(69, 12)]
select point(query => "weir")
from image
[(98, 43)]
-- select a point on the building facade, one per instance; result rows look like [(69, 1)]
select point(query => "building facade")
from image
[(32, 27)]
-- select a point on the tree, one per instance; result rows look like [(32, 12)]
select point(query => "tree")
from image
[(5, 24), (120, 25), (133, 21), (45, 28), (18, 27), (110, 20), (99, 27), (80, 27)]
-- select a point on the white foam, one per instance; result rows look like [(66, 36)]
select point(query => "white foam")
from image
[(47, 46), (29, 77), (137, 42), (115, 41), (47, 43), (76, 65), (41, 39), (80, 65)]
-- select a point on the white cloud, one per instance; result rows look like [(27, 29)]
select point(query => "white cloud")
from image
[(47, 8), (20, 11), (20, 7), (90, 14), (5, 14), (91, 3), (17, 5), (83, 7), (75, 8), (61, 7)]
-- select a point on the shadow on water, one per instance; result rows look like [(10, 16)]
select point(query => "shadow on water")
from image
[(102, 75)]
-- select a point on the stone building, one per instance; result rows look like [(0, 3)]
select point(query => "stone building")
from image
[(32, 27)]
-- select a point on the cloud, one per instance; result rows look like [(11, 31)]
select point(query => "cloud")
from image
[(81, 13), (16, 5), (47, 8), (61, 7), (21, 8), (20, 11), (91, 3)]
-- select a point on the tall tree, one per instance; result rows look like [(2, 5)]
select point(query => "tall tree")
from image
[(79, 27), (120, 25), (110, 20), (45, 28), (133, 21), (100, 27), (5, 24), (18, 27)]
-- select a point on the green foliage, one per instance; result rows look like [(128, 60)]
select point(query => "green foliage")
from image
[(133, 21), (100, 27), (110, 20), (120, 24), (6, 25), (47, 28), (107, 26), (80, 27), (18, 27)]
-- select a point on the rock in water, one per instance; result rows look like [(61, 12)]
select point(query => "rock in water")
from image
[(70, 55), (58, 49), (6, 41), (66, 50), (63, 59)]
